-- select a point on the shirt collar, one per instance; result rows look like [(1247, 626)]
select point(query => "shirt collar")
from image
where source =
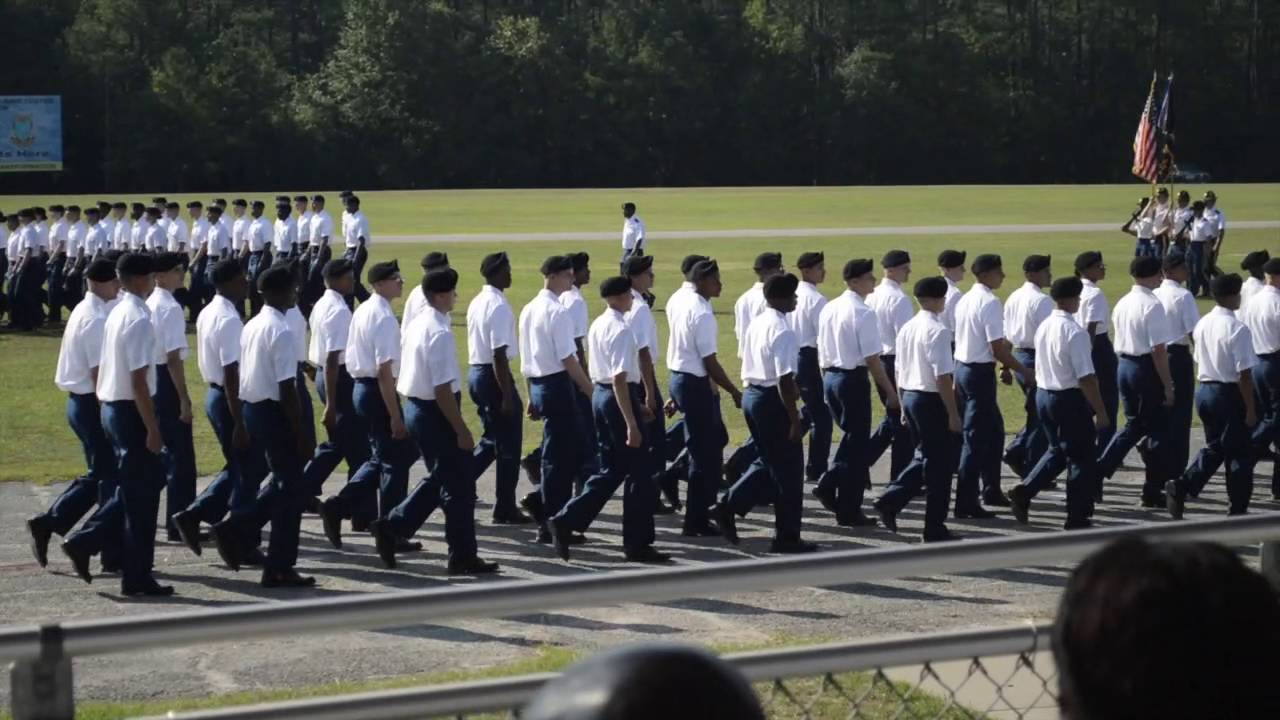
[(686, 285), (162, 295), (1219, 310), (334, 294), (1063, 314), (890, 283), (548, 295), (382, 303), (1270, 288), (1088, 283), (274, 313), (1170, 283), (440, 317), (951, 283), (493, 290), (1031, 287), (620, 317), (1141, 289)]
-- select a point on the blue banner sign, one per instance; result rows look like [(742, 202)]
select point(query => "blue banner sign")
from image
[(30, 133)]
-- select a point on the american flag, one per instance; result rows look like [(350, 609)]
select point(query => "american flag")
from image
[(1166, 167), (1146, 141)]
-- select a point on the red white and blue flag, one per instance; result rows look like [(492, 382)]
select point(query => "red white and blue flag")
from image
[(1146, 141)]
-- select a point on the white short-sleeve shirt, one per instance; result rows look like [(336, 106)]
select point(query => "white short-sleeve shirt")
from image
[(694, 334), (176, 234), (748, 305), (923, 350), (491, 324), (770, 349), (1180, 308), (1140, 323), (268, 356), (954, 293), (128, 343), (321, 227), (284, 235), (218, 332), (303, 223), (577, 306), (354, 229), (848, 333), (171, 326), (429, 356), (979, 322), (893, 310), (239, 232), (121, 233), (1250, 288), (138, 234), (259, 235), (640, 319), (804, 319), (95, 239), (414, 305), (1093, 308), (76, 235), (157, 238), (58, 233), (1224, 347), (1064, 353), (632, 233), (374, 339), (297, 326), (612, 348), (330, 326), (217, 241), (1262, 317), (1024, 310), (546, 336), (81, 349)]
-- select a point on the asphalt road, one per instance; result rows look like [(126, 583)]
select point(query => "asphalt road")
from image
[(857, 610)]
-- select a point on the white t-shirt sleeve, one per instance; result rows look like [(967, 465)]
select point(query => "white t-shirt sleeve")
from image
[(501, 325), (939, 356), (91, 343), (1080, 353), (562, 336), (992, 322), (228, 338), (1242, 349), (868, 335), (786, 350), (138, 344), (284, 366), (704, 335), (173, 330), (1159, 331), (386, 341), (442, 358)]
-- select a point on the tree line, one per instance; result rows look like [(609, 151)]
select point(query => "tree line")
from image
[(180, 95)]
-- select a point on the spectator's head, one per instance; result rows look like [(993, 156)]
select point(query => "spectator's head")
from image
[(1168, 631), (628, 209), (647, 682)]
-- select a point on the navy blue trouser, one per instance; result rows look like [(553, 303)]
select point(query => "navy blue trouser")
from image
[(98, 484), (1195, 267), (848, 395), (358, 256), (236, 486), (1106, 369), (783, 459), (306, 408), (503, 434), (451, 485), (892, 433), (271, 435), (655, 439), (934, 462), (815, 412), (588, 454), (1030, 442), (259, 261), (140, 474), (24, 293), (179, 454), (983, 432), (705, 439), (349, 441), (1266, 385), (1067, 421), (1145, 416), (1182, 370), (390, 456), (554, 398), (313, 288), (1226, 442), (54, 275), (620, 466)]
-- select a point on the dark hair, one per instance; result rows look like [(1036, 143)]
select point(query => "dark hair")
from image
[(1168, 631)]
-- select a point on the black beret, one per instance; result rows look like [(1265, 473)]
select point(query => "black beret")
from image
[(282, 198), (353, 200), (166, 261), (1225, 285), (768, 261), (346, 194), (615, 286), (76, 209), (258, 205), (781, 286), (1174, 260), (1197, 205), (171, 206), (239, 202), (951, 259), (1087, 259), (1143, 267), (158, 201), (104, 205), (1272, 266), (493, 263), (57, 208), (440, 281), (134, 265), (556, 264), (337, 267), (317, 198), (382, 271), (214, 209), (580, 260), (628, 206), (894, 258), (220, 201), (1035, 263), (138, 207), (986, 262), (153, 211), (1255, 260), (275, 279), (1210, 195), (810, 259), (112, 256), (100, 270), (299, 198), (91, 210), (931, 287), (27, 213), (637, 264), (118, 206), (224, 271), (1066, 287), (686, 265), (704, 269), (857, 268), (435, 260), (195, 204)]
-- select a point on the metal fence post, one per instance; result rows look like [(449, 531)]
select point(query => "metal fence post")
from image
[(41, 689), (1269, 562)]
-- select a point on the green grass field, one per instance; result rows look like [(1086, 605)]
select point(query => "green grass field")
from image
[(36, 444)]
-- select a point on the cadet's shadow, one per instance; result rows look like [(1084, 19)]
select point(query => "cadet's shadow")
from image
[(1022, 575), (725, 607), (255, 589), (176, 599), (897, 593), (572, 622), (455, 634)]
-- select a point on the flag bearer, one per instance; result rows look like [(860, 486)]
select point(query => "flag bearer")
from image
[(893, 310), (1095, 317), (1180, 307), (1024, 310), (804, 322), (172, 401), (1262, 317)]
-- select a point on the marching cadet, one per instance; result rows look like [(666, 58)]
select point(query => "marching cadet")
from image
[(951, 263), (298, 328), (343, 197), (1252, 264), (239, 236), (272, 417), (848, 347), (55, 268), (1262, 317), (321, 250), (639, 273), (302, 217), (172, 402), (108, 221), (769, 359), (618, 404), (1162, 223), (1146, 387), (430, 383), (218, 334), (980, 342), (1024, 310), (355, 233), (804, 322), (694, 366), (218, 244), (284, 234), (77, 257), (580, 317), (77, 373), (632, 232), (122, 227), (155, 240), (893, 310), (257, 239), (1066, 394), (1199, 249), (25, 277), (138, 230), (751, 303), (1216, 222), (225, 219), (1094, 316), (491, 346), (1183, 314), (417, 299), (924, 368), (202, 263), (549, 363), (175, 230), (675, 441), (1225, 402)]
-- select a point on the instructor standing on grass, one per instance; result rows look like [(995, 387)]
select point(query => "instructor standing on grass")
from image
[(633, 240)]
